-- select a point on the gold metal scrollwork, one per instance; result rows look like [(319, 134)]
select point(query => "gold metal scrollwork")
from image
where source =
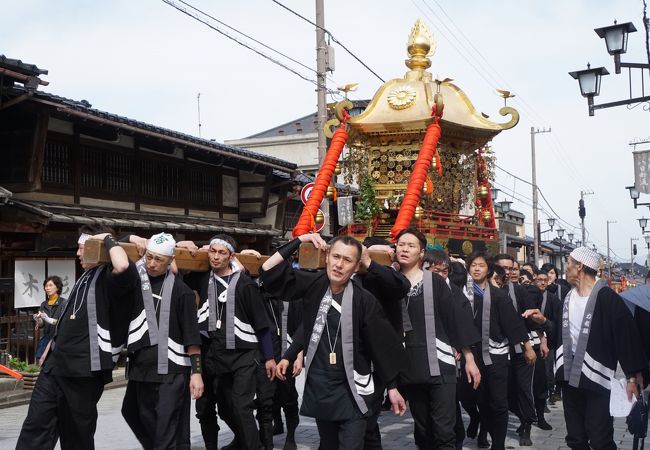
[(514, 117), (335, 122)]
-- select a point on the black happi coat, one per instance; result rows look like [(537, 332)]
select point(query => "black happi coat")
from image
[(250, 317), (388, 286), (453, 330), (374, 340), (612, 338), (90, 344), (525, 298), (183, 331), (506, 326)]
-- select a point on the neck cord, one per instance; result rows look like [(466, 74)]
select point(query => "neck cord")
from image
[(336, 336), (277, 327), (159, 296), (84, 280)]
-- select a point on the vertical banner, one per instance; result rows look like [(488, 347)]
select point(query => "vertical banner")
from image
[(64, 268), (29, 275), (642, 171), (344, 207)]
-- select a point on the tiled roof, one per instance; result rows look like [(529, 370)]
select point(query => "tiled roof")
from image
[(85, 107), (18, 66), (303, 125), (88, 215)]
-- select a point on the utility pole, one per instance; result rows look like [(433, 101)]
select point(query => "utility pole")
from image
[(198, 106), (536, 230), (321, 69), (609, 260), (632, 253), (582, 212)]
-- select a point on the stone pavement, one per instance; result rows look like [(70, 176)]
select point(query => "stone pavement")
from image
[(397, 432)]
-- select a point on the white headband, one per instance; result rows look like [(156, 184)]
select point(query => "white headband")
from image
[(83, 238), (162, 243), (224, 243)]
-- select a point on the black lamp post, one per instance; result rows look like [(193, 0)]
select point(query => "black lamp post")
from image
[(505, 206), (616, 41), (643, 222), (647, 240), (495, 194)]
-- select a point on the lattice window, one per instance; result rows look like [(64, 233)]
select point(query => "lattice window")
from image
[(57, 167)]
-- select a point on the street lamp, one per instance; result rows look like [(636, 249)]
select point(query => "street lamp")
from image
[(634, 195), (570, 237), (505, 206), (578, 243), (616, 40), (589, 80), (551, 222), (643, 222), (495, 193), (647, 240), (560, 233)]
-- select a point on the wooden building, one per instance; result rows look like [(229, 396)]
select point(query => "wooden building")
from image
[(65, 164)]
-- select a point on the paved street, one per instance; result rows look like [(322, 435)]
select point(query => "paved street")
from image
[(113, 433)]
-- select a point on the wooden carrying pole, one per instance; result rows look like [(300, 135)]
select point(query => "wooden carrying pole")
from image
[(309, 257), (95, 253)]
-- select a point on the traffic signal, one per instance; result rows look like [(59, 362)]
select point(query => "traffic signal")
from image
[(581, 209), (634, 249)]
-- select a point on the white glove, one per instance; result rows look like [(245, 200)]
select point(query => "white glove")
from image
[(48, 319)]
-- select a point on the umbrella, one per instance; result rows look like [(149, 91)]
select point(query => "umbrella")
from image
[(637, 296)]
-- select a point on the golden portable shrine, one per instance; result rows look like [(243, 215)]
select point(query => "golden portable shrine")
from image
[(420, 154)]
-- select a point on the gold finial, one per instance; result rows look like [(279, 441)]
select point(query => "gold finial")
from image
[(421, 45), (505, 95)]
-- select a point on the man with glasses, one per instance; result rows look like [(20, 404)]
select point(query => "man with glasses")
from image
[(522, 367)]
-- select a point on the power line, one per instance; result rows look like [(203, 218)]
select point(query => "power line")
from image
[(541, 193), (331, 37), (243, 44)]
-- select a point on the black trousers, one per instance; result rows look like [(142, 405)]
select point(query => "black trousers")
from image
[(372, 439), (344, 435), (237, 391), (588, 423), (265, 391), (62, 407), (520, 388), (550, 370), (433, 407), (492, 398), (285, 394), (159, 413), (540, 382)]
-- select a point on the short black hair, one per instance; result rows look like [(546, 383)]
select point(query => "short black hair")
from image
[(475, 255), (348, 240), (225, 237), (457, 274), (548, 267), (526, 274), (374, 240), (435, 256), (96, 228), (532, 266), (57, 282), (497, 270), (542, 272), (415, 232), (501, 256)]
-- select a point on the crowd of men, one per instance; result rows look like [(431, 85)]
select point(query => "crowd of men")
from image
[(431, 332)]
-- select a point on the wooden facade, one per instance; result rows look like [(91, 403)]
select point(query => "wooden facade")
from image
[(65, 164)]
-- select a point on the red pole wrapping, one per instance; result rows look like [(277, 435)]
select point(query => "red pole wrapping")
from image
[(306, 222), (418, 177)]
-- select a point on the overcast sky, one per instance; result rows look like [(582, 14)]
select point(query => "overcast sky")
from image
[(145, 60)]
